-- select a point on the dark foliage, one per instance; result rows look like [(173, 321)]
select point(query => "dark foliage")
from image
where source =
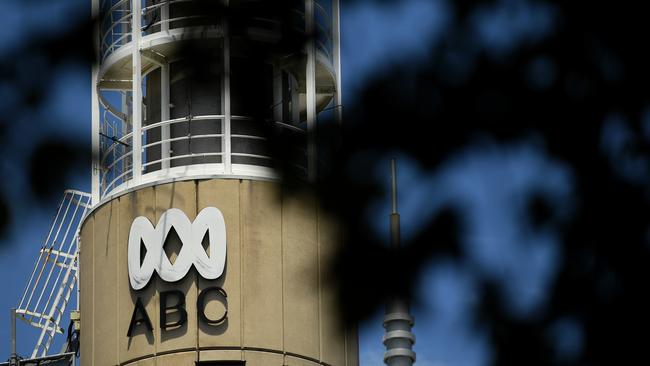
[(27, 71), (52, 158), (561, 87)]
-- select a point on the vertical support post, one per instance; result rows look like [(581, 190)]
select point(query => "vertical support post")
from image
[(226, 146), (13, 361), (94, 105), (336, 53), (164, 16), (136, 94), (125, 124), (295, 101), (311, 90), (393, 195), (164, 114), (277, 93), (78, 272)]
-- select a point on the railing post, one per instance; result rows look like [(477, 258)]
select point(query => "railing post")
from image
[(311, 90), (94, 105), (278, 101), (136, 94), (164, 16), (336, 54), (226, 157), (164, 115)]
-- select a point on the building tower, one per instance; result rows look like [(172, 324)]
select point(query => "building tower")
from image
[(192, 252)]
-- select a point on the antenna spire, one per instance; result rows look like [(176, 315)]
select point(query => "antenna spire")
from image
[(393, 175), (398, 321)]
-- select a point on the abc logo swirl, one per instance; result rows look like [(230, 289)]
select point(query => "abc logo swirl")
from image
[(192, 253)]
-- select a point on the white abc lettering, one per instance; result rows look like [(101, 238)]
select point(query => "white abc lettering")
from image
[(210, 267)]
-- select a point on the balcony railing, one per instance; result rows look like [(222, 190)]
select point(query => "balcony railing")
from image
[(116, 22), (115, 25), (168, 145)]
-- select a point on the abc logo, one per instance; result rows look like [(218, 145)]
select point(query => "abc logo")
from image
[(209, 220)]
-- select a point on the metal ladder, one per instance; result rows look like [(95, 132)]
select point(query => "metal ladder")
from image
[(55, 273)]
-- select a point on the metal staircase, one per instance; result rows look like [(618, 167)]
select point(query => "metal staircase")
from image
[(55, 275)]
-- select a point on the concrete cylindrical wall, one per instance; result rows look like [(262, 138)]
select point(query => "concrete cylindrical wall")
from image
[(280, 309)]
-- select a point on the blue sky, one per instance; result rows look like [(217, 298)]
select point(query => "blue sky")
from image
[(498, 244)]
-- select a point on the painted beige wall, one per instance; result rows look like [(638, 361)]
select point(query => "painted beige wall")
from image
[(280, 310)]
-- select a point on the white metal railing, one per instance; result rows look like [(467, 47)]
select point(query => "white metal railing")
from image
[(116, 23), (281, 128), (115, 149), (166, 159), (157, 17), (324, 27), (323, 22), (116, 157)]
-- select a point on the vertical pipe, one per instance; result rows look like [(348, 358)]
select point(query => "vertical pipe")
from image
[(227, 146), (136, 94), (94, 105), (336, 41), (13, 361), (164, 114), (311, 90)]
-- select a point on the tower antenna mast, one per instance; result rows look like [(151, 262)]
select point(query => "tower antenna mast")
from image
[(398, 321)]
